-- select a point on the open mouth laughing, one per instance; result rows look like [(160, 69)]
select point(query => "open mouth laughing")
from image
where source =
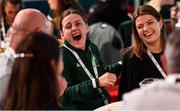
[(148, 34), (77, 37)]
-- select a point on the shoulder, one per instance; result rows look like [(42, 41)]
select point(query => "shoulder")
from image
[(93, 47), (64, 49), (50, 16), (154, 93), (132, 63), (3, 64), (136, 96), (67, 54), (127, 53), (152, 89)]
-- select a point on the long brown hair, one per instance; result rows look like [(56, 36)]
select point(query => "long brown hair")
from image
[(137, 48), (33, 82)]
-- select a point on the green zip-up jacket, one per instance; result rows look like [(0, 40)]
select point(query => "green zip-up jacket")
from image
[(80, 93)]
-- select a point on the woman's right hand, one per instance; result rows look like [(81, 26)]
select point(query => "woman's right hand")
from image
[(108, 79)]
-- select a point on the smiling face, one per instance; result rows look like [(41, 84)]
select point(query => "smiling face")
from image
[(74, 30), (148, 28)]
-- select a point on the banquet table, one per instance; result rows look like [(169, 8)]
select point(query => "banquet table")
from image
[(111, 107)]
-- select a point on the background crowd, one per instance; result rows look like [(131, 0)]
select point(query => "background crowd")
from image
[(67, 54)]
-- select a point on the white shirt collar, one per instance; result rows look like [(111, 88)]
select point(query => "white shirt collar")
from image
[(9, 52)]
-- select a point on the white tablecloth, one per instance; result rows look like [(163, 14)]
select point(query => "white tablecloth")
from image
[(111, 107)]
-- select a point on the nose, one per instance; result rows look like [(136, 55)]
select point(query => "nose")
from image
[(145, 27), (73, 27)]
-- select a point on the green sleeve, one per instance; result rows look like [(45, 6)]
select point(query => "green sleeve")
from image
[(114, 68), (78, 92)]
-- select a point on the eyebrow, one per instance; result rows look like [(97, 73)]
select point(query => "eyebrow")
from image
[(146, 21), (73, 22)]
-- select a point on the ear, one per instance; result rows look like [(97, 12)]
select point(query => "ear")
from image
[(62, 34), (62, 37), (161, 23), (87, 27)]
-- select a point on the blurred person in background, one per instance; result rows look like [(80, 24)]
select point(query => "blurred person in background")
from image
[(23, 24), (0, 8), (9, 10), (36, 81), (175, 14), (112, 12)]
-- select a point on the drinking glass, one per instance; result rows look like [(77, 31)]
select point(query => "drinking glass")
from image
[(147, 81)]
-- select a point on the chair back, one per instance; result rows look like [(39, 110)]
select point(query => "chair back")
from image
[(108, 40), (125, 29)]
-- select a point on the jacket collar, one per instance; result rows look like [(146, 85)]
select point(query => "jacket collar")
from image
[(88, 42)]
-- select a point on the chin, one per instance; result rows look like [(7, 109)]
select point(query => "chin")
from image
[(151, 40), (80, 47)]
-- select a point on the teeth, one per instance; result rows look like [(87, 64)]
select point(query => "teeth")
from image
[(148, 34), (75, 35)]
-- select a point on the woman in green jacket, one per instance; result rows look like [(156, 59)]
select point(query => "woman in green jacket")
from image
[(83, 68)]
